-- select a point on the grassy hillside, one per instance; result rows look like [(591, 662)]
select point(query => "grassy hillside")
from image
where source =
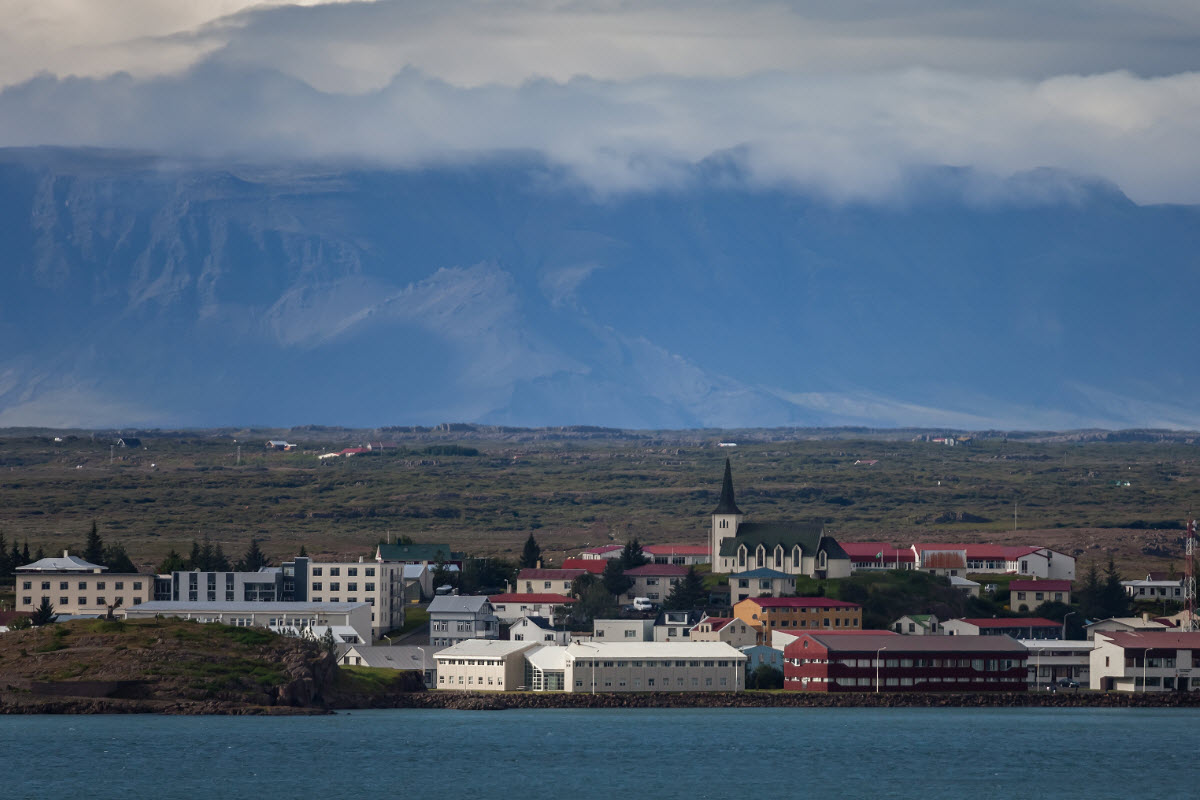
[(486, 490)]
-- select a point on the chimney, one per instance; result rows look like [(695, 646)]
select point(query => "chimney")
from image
[(65, 554)]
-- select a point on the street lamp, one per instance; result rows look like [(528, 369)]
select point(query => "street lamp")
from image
[(877, 652)]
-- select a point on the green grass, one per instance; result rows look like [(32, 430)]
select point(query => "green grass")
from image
[(414, 617)]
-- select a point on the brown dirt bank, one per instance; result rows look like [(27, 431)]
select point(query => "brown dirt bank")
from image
[(465, 701)]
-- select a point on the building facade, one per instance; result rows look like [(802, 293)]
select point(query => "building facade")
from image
[(455, 618), (864, 663), (1146, 661), (482, 665), (350, 623), (77, 587), (762, 582), (766, 614), (1027, 595)]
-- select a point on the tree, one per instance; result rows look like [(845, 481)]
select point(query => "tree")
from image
[(1089, 595), (44, 614), (765, 677), (254, 560), (632, 556), (25, 557), (40, 554), (303, 552), (595, 602), (93, 551), (21, 622), (615, 582), (195, 557), (220, 563), (14, 559), (1115, 601), (117, 560), (581, 584), (327, 642), (442, 574), (531, 556), (172, 563), (6, 567), (688, 593)]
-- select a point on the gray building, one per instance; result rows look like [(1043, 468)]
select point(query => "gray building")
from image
[(453, 618)]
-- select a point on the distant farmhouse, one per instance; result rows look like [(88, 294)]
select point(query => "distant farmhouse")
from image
[(789, 547)]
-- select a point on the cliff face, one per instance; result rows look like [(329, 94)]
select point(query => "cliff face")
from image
[(160, 665), (134, 291)]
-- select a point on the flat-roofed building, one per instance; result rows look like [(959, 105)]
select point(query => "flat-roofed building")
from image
[(890, 663), (350, 623), (766, 614), (1052, 659), (78, 588), (679, 554), (483, 665), (653, 667), (1146, 661), (623, 630)]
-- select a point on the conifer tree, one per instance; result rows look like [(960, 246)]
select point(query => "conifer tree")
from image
[(25, 557), (632, 555), (93, 551), (44, 614), (172, 563), (6, 567), (303, 552), (220, 562), (254, 559), (117, 560), (614, 579), (688, 593), (532, 553)]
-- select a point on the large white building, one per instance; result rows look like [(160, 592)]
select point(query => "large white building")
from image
[(77, 587), (1146, 661), (350, 623)]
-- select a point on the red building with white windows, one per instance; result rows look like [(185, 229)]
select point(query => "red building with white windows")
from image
[(817, 662)]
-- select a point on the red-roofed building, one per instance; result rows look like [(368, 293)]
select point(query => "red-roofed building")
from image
[(512, 606), (815, 662), (730, 630), (1035, 562), (558, 581), (1146, 661), (593, 565), (1027, 595), (1017, 627), (878, 556), (654, 581), (766, 614), (680, 554)]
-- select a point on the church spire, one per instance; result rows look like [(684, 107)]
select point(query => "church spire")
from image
[(726, 505)]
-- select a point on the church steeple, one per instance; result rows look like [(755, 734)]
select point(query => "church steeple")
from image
[(726, 505)]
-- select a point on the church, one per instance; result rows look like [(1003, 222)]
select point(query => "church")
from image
[(789, 547)]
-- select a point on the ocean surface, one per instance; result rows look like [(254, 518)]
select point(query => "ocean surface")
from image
[(610, 754)]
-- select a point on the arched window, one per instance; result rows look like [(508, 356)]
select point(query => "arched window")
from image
[(796, 554), (778, 557), (761, 556), (822, 560), (742, 556)]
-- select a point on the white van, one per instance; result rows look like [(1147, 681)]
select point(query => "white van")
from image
[(642, 604)]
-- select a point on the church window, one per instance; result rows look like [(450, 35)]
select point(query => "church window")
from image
[(796, 557), (778, 557), (742, 556), (761, 556)]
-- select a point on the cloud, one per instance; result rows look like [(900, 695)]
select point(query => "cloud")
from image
[(847, 98)]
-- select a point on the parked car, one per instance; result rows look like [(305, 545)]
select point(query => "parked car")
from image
[(642, 604), (1067, 683)]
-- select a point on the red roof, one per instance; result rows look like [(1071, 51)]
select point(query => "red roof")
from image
[(717, 622), (592, 565), (869, 551), (555, 599), (535, 574), (1012, 622), (1039, 586), (658, 571), (1141, 640), (676, 550), (799, 602)]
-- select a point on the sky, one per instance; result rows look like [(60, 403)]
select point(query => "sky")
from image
[(846, 97)]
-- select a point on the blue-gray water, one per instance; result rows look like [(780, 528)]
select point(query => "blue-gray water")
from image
[(610, 755)]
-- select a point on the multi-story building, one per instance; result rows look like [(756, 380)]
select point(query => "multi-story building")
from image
[(1051, 659), (766, 614), (679, 554), (77, 587), (889, 663), (349, 623), (654, 581), (730, 630), (455, 618), (675, 626), (761, 582), (511, 607), (1017, 627), (652, 666), (1146, 661), (1027, 595), (379, 584), (534, 580), (483, 665)]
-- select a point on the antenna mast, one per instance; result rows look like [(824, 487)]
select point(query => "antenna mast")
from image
[(1189, 580)]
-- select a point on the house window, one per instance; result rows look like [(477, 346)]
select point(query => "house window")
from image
[(369, 572), (317, 586), (335, 571), (316, 571), (28, 601), (62, 586), (352, 572), (62, 601), (46, 586), (351, 587)]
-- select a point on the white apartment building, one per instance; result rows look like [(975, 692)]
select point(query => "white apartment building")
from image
[(1146, 661), (482, 665), (378, 584)]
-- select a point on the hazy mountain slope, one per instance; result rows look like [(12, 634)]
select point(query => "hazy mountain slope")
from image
[(134, 291)]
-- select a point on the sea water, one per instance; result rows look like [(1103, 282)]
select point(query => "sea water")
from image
[(610, 754)]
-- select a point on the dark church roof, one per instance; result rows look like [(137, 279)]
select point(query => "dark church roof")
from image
[(788, 534), (726, 505)]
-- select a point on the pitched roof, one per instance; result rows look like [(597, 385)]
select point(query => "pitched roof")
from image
[(1143, 640), (592, 565), (726, 504), (761, 572), (1039, 586), (514, 597), (717, 622), (455, 603), (676, 549), (417, 552), (398, 657), (799, 602), (538, 574), (866, 643), (1011, 622), (484, 647), (809, 536), (863, 551), (65, 563), (658, 571)]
